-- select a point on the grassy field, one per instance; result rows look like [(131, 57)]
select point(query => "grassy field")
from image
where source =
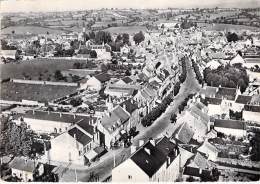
[(34, 68), (228, 27), (30, 29), (129, 30)]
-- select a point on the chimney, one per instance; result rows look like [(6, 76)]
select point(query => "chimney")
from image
[(124, 106), (133, 149), (141, 142), (147, 151)]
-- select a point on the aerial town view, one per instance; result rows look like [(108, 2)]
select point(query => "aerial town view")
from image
[(121, 91)]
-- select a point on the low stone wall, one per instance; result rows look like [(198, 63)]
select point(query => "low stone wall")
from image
[(44, 82)]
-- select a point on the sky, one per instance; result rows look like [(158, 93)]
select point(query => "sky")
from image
[(63, 5)]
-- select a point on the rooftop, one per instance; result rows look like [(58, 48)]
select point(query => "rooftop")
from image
[(60, 117), (149, 159), (242, 99), (185, 133), (80, 136), (22, 164), (103, 77)]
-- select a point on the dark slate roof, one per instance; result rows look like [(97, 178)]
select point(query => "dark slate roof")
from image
[(242, 99), (252, 108), (191, 171), (130, 106), (22, 164), (80, 136), (167, 147), (227, 93), (149, 163), (103, 77), (214, 101), (127, 80), (234, 124), (86, 126)]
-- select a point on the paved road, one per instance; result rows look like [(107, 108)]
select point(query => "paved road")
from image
[(158, 128)]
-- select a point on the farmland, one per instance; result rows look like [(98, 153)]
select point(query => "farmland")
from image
[(229, 27), (129, 30), (30, 29), (34, 68)]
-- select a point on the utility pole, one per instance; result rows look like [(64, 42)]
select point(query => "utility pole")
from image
[(76, 176)]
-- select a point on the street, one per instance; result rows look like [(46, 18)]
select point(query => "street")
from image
[(104, 167)]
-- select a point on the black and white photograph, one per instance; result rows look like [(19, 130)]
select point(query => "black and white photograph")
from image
[(130, 91)]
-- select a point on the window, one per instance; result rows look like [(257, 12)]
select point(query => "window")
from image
[(129, 177), (60, 130), (55, 130)]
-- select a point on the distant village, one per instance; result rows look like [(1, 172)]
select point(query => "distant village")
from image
[(170, 100)]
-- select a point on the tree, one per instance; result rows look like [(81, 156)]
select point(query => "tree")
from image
[(173, 118), (77, 65), (127, 73), (139, 37), (126, 38), (103, 37), (75, 102), (93, 54), (232, 37), (18, 140), (92, 35), (58, 75)]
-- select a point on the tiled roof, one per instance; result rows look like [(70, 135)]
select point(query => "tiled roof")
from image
[(81, 137), (185, 133), (214, 101), (191, 171), (242, 99), (255, 99), (206, 146), (129, 105), (227, 93), (118, 115), (252, 108), (209, 91), (103, 77), (233, 124), (127, 80), (200, 161), (22, 164), (198, 113)]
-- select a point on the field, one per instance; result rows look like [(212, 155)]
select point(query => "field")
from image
[(36, 92), (34, 68), (30, 29), (130, 30), (228, 27)]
